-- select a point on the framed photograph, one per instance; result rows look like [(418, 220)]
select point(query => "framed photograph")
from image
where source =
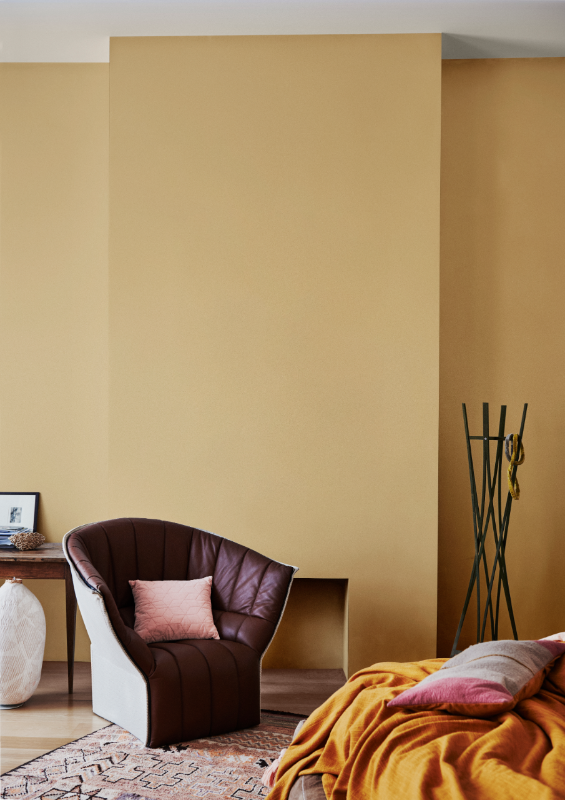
[(19, 510)]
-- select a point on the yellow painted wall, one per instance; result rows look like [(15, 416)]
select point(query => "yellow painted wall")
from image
[(502, 321), (274, 308), (54, 299)]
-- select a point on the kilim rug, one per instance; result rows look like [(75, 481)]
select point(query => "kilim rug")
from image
[(111, 764)]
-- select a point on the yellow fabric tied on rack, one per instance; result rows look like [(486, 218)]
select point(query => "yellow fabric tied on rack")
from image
[(517, 458)]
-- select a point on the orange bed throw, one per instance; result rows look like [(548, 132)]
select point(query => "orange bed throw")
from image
[(367, 751)]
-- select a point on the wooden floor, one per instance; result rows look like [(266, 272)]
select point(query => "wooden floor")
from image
[(52, 717), (298, 691)]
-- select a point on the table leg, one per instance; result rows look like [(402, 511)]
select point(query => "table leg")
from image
[(71, 603)]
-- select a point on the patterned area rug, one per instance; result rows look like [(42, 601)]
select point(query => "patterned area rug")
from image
[(111, 764)]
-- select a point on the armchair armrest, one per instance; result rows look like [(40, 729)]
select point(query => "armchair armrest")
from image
[(97, 593)]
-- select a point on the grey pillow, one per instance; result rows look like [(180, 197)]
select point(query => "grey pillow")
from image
[(485, 679), (307, 787)]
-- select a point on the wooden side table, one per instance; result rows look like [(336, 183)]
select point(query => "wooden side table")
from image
[(48, 561)]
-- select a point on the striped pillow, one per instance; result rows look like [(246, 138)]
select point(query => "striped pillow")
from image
[(485, 679)]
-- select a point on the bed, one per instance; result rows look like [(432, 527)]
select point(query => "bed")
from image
[(354, 747)]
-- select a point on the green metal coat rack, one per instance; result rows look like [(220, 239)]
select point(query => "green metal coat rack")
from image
[(488, 513)]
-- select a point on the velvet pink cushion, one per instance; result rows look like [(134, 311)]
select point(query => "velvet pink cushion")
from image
[(170, 610)]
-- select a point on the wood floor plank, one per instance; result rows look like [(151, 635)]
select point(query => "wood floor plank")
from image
[(50, 718), (46, 743), (298, 691)]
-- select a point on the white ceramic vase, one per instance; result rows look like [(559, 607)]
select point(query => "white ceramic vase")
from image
[(22, 642)]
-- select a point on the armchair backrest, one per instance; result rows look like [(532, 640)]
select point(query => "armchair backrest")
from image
[(249, 591)]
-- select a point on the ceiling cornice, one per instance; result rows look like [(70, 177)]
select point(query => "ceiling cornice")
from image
[(80, 30)]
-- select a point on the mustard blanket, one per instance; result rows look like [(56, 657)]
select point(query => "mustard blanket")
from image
[(369, 752)]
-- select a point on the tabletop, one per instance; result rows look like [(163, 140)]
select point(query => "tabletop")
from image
[(49, 551)]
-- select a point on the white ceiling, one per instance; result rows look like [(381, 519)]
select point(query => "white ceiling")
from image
[(79, 30)]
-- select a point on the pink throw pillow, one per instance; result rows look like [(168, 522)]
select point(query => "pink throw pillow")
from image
[(485, 679), (170, 610)]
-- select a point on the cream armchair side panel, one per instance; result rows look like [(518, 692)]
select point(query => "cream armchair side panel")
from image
[(119, 689)]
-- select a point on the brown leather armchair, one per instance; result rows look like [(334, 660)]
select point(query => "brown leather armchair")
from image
[(174, 691)]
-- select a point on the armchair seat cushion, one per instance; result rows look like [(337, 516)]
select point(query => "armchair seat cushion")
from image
[(202, 687)]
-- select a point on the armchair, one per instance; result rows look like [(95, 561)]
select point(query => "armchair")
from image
[(169, 692)]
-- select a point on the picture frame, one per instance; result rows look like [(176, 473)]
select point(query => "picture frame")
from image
[(19, 509)]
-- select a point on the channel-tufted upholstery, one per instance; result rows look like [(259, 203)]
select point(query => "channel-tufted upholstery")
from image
[(195, 687)]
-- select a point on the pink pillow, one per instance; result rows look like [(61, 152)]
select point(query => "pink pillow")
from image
[(485, 679), (170, 610)]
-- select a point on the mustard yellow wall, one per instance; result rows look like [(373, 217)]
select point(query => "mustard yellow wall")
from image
[(502, 321), (274, 307), (54, 298)]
